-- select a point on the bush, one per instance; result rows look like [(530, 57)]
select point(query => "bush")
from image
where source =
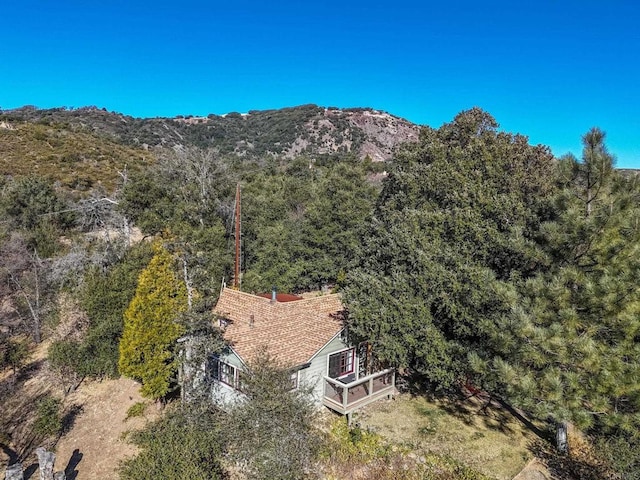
[(272, 435), (136, 410), (622, 454), (67, 362), (177, 447), (13, 353), (48, 417), (346, 444)]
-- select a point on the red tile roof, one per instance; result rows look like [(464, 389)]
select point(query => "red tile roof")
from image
[(292, 332)]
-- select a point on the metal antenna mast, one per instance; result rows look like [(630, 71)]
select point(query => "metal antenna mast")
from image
[(236, 272)]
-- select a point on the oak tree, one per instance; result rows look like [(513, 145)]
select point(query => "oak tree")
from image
[(454, 227)]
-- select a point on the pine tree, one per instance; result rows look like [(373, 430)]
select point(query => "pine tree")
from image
[(576, 352), (150, 328)]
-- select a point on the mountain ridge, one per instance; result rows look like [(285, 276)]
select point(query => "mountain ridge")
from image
[(305, 130)]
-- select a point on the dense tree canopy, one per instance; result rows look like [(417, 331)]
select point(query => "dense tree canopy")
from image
[(301, 219), (486, 261), (576, 351), (456, 222), (302, 225)]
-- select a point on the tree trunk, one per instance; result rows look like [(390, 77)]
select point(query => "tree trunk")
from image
[(46, 461), (14, 472), (187, 282), (35, 318), (562, 442)]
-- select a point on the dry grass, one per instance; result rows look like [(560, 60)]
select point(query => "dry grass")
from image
[(356, 454), (19, 397), (79, 161), (484, 437)]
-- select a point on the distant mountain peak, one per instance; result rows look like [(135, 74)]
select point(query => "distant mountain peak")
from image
[(308, 130)]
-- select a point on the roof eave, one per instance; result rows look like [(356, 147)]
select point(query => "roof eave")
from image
[(320, 349)]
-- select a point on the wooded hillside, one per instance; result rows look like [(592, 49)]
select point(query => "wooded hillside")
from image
[(475, 260), (317, 132)]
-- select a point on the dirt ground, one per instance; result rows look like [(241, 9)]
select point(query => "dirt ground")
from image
[(534, 470), (95, 445)]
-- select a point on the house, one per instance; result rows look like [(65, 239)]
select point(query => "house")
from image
[(305, 334)]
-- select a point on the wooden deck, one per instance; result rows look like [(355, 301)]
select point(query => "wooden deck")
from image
[(344, 398)]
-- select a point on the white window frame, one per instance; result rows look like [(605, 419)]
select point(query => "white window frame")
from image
[(228, 374), (294, 378), (230, 377), (351, 362)]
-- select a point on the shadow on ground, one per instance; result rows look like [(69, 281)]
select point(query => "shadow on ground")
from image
[(578, 465), (471, 405), (70, 471)]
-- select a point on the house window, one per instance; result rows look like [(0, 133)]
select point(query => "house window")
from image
[(341, 363), (294, 380), (228, 374), (224, 372)]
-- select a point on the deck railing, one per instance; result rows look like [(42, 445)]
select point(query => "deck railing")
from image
[(346, 397)]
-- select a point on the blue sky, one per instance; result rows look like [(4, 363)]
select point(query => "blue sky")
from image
[(548, 69)]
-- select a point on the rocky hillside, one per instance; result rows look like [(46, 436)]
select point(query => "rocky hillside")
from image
[(308, 130)]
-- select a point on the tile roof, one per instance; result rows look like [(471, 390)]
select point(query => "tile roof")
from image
[(292, 332)]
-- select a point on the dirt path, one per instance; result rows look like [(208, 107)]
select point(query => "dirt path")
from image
[(94, 446)]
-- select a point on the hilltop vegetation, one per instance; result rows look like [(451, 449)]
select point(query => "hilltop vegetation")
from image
[(79, 160), (317, 132)]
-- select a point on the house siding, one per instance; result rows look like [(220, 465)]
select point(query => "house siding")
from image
[(230, 357), (313, 375)]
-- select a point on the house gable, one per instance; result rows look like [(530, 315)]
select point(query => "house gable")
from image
[(318, 367)]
